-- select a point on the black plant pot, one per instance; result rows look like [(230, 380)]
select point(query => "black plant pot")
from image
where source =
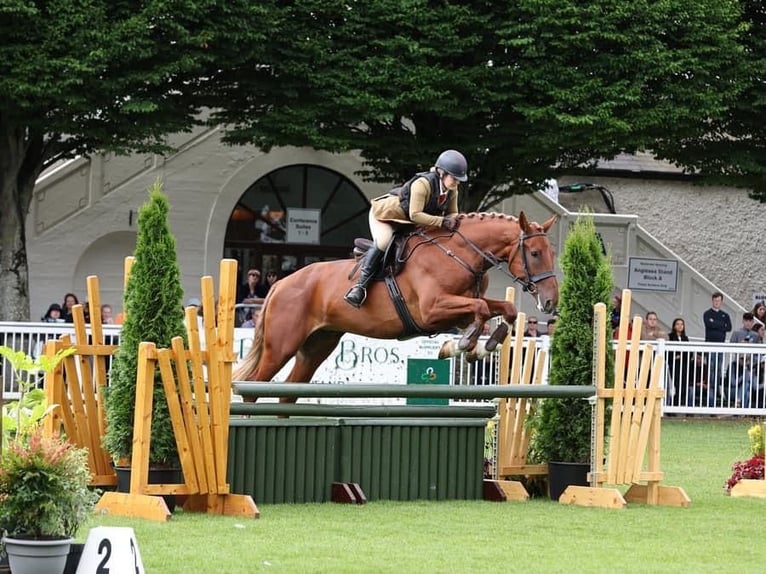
[(160, 475), (563, 474)]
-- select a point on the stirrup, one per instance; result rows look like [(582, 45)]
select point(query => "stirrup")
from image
[(355, 301)]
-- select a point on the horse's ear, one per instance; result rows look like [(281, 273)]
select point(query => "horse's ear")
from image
[(549, 223), (523, 222)]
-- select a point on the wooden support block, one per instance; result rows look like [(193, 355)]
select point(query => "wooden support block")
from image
[(224, 504), (361, 497), (504, 491), (347, 492), (755, 488), (593, 497), (666, 495), (133, 506)]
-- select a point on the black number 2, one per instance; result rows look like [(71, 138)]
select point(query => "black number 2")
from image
[(104, 545)]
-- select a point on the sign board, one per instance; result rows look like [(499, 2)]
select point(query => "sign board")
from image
[(111, 549), (759, 297), (428, 372), (360, 360), (303, 225), (646, 274)]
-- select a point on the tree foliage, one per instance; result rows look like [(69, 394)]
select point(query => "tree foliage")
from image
[(563, 426), (732, 148), (153, 312), (78, 76), (522, 88)]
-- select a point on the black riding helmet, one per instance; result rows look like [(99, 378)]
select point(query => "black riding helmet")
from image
[(454, 163)]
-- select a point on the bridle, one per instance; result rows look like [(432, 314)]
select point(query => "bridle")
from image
[(528, 283)]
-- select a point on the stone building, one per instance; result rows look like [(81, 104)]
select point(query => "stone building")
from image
[(289, 207)]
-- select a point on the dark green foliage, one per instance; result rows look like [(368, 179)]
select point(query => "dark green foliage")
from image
[(153, 312), (563, 426)]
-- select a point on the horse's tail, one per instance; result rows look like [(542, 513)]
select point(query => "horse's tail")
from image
[(249, 365)]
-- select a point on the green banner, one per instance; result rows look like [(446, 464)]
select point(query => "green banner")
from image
[(428, 372)]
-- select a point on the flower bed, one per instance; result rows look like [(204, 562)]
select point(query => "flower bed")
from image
[(752, 468)]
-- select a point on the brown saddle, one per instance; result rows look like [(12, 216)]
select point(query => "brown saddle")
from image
[(393, 259)]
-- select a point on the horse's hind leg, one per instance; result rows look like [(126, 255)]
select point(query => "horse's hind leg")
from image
[(310, 356)]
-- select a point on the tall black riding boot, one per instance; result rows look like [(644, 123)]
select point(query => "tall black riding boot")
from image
[(358, 293)]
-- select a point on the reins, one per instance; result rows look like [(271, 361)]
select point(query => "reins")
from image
[(529, 284)]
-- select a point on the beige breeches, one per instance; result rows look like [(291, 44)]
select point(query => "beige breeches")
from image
[(382, 232)]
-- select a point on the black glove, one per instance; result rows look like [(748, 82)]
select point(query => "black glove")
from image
[(450, 223)]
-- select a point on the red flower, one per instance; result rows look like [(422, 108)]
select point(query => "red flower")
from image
[(751, 468)]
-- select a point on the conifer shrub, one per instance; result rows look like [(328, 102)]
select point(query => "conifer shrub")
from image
[(562, 427), (153, 306)]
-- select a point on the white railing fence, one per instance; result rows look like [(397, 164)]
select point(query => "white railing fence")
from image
[(699, 378)]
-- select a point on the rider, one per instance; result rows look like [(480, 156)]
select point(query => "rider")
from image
[(429, 198)]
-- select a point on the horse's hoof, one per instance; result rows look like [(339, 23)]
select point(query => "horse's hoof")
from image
[(497, 337), (468, 340)]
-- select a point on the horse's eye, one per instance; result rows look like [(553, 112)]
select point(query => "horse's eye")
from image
[(535, 253)]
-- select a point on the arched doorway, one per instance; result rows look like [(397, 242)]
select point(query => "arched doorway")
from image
[(294, 216)]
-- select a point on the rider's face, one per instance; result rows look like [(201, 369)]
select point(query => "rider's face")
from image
[(450, 182)]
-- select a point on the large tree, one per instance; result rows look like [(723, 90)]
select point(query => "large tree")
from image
[(83, 75), (522, 88), (733, 148)]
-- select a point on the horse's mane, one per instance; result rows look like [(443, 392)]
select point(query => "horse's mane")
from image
[(481, 215)]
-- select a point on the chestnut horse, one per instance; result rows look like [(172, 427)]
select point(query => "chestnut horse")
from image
[(442, 282)]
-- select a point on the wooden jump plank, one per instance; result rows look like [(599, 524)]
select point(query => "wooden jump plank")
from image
[(88, 393), (142, 420), (176, 418), (200, 393), (190, 420), (214, 385), (227, 298)]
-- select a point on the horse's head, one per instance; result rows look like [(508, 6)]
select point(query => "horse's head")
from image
[(532, 262)]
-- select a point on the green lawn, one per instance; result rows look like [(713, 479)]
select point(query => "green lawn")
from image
[(716, 533)]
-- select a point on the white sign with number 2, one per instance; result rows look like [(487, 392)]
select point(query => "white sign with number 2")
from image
[(111, 550)]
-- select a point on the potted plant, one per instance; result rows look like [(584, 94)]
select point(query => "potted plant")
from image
[(153, 312), (43, 480), (562, 427)]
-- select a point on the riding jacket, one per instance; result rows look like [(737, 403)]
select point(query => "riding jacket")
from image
[(419, 201)]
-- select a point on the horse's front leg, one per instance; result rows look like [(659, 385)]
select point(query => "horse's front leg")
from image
[(504, 309), (454, 310), (508, 312)]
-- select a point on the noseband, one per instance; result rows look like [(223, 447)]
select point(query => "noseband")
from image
[(530, 284)]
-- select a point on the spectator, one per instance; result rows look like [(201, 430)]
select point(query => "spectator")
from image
[(106, 315), (551, 326), (746, 331), (250, 296), (271, 278), (759, 312), (741, 376), (615, 318), (70, 300), (717, 323), (699, 383), (252, 291), (650, 329), (532, 327), (760, 330), (251, 318), (53, 314), (678, 364)]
